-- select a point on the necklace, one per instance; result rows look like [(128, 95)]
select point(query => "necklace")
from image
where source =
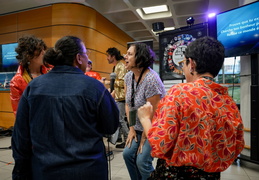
[(29, 72)]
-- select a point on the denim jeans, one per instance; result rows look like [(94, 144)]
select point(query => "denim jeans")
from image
[(123, 124), (139, 165)]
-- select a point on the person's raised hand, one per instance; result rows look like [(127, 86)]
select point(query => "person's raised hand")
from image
[(145, 112)]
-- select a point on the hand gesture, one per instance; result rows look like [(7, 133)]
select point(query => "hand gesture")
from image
[(132, 135), (145, 112)]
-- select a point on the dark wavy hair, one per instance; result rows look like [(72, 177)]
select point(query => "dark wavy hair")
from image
[(115, 52), (208, 53), (64, 52), (29, 47), (144, 55)]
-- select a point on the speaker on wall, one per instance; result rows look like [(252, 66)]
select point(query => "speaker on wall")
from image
[(158, 26)]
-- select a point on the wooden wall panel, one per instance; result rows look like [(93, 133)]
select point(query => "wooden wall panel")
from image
[(83, 33), (71, 13), (55, 21), (8, 23), (8, 38), (106, 27), (101, 64), (6, 112), (45, 33), (103, 42), (80, 15), (7, 119), (35, 18), (5, 102), (92, 38)]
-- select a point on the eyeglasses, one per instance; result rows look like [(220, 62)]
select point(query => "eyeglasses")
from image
[(83, 53), (181, 63), (88, 52)]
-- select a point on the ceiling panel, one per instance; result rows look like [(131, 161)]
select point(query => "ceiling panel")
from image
[(137, 26), (122, 17), (195, 7), (123, 12)]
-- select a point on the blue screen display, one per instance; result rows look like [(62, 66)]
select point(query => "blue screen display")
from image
[(238, 30), (9, 55), (8, 61)]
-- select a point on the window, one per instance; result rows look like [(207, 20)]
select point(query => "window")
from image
[(229, 76)]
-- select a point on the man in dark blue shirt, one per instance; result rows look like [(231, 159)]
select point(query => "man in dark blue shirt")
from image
[(61, 120)]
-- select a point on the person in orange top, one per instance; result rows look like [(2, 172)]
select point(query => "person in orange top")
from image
[(197, 130), (91, 73), (30, 52)]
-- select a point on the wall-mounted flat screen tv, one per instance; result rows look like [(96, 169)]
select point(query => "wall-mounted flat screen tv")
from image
[(8, 61), (238, 30)]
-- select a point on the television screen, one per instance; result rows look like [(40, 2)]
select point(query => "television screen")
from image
[(172, 45), (8, 64), (238, 30), (8, 57)]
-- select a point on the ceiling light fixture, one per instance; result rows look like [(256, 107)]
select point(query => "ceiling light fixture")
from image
[(156, 33), (169, 28), (210, 15), (155, 9)]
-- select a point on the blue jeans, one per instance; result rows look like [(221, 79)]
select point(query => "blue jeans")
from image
[(139, 165), (123, 124)]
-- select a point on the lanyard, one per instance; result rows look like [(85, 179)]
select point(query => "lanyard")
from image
[(132, 87)]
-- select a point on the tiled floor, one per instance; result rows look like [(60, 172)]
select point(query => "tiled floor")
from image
[(239, 171)]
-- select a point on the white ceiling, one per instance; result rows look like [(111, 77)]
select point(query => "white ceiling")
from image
[(123, 12)]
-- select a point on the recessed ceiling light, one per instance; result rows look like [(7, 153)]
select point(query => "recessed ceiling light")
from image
[(165, 29), (155, 9), (169, 28)]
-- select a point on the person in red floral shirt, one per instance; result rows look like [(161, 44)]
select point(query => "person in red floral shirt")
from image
[(197, 130)]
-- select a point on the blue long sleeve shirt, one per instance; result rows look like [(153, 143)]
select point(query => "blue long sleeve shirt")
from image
[(58, 133)]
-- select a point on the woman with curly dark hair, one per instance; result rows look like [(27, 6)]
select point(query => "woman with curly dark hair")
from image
[(142, 84), (30, 53)]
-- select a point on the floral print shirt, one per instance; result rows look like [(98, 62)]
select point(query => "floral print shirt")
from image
[(150, 86), (197, 124)]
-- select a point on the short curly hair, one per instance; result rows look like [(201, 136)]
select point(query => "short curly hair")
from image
[(144, 55), (29, 47), (208, 53)]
